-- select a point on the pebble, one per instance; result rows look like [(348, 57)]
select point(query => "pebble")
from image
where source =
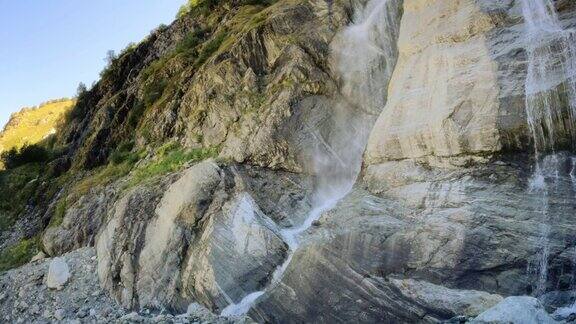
[(38, 257), (59, 314), (35, 309), (81, 313)]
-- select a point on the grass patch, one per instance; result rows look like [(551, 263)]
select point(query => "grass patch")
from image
[(18, 254), (188, 47), (103, 176), (59, 213), (210, 48), (169, 158), (17, 186), (153, 91), (124, 154)]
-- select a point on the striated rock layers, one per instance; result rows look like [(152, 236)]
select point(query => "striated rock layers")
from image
[(448, 174), (205, 238)]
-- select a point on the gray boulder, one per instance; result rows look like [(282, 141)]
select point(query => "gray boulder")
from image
[(516, 310), (58, 274)]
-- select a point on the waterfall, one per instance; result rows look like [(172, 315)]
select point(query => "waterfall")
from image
[(550, 109), (364, 56), (550, 83)]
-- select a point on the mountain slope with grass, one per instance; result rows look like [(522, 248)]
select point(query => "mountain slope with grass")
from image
[(32, 125)]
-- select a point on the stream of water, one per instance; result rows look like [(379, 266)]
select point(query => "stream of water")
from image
[(365, 60), (550, 109)]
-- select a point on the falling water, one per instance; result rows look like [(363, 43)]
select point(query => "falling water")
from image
[(364, 57), (550, 108)]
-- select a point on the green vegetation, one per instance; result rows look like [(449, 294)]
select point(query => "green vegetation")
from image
[(59, 212), (32, 180), (17, 186), (204, 6), (196, 6), (96, 178), (32, 125), (169, 158), (161, 79), (153, 91), (27, 154), (189, 45), (18, 254), (136, 113), (123, 161), (124, 154), (210, 48)]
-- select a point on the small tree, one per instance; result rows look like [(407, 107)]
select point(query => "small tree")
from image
[(110, 57), (81, 89)]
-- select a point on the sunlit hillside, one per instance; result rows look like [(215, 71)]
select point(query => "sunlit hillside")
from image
[(31, 125)]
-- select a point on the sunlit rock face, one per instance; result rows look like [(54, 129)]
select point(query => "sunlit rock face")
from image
[(453, 145), (446, 91), (204, 237), (448, 170)]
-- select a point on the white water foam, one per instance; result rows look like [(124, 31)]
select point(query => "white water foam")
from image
[(550, 108)]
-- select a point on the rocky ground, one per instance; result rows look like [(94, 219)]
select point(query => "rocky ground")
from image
[(66, 290), (41, 292)]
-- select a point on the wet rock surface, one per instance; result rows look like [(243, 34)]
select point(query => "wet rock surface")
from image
[(202, 238)]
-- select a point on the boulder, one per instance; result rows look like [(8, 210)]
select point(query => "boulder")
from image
[(58, 274), (516, 310), (468, 303)]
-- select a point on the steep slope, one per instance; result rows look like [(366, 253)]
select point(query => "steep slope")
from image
[(32, 125)]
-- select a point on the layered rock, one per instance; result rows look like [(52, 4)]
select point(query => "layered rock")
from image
[(443, 147), (239, 88), (441, 153), (204, 238)]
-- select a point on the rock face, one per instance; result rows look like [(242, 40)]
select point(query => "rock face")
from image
[(80, 224), (450, 68), (467, 303), (444, 156), (454, 207), (204, 238), (244, 96)]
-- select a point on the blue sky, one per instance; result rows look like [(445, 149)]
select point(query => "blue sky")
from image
[(47, 47)]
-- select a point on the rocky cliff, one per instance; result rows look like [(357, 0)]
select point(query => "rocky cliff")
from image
[(327, 161)]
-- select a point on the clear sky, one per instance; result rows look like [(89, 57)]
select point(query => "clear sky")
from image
[(47, 47)]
